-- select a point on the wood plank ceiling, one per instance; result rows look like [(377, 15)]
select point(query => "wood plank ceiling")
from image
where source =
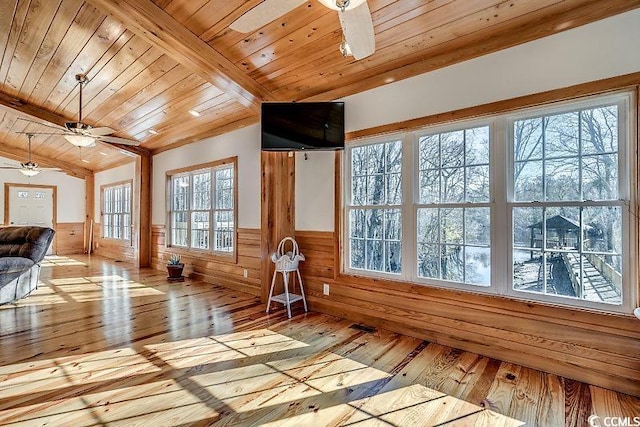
[(150, 63)]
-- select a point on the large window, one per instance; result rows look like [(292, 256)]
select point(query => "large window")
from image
[(533, 205), (116, 211), (202, 207)]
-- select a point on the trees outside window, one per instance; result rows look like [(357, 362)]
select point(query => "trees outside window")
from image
[(533, 204), (116, 211), (202, 207)]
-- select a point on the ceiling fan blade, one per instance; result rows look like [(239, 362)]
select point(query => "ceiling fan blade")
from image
[(101, 131), (117, 140), (10, 167), (359, 34), (262, 14)]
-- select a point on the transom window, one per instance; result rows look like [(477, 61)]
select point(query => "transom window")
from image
[(533, 205), (116, 211), (202, 207)]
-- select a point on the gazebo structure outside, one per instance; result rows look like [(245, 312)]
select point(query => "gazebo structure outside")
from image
[(570, 273)]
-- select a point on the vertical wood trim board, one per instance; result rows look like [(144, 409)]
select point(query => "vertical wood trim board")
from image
[(277, 209)]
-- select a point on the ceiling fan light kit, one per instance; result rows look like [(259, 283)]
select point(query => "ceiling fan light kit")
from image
[(28, 172), (81, 140), (341, 4)]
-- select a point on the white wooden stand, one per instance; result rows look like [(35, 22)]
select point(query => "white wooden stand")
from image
[(287, 298)]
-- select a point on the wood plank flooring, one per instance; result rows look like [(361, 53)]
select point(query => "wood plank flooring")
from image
[(101, 343)]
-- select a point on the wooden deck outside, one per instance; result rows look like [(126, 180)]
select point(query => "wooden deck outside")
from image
[(100, 343)]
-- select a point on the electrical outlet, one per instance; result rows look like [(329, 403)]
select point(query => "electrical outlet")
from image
[(325, 289), (246, 273)]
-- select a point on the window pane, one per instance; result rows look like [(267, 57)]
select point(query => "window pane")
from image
[(428, 226), (527, 139), (562, 179), (562, 227), (375, 242), (478, 265), (561, 135), (180, 200), (477, 226), (600, 177), (477, 184), (357, 253), (224, 231), (200, 230), (376, 174), (462, 254), (600, 130), (452, 149), (224, 188), (452, 188), (528, 181), (429, 186), (451, 226), (603, 229), (452, 263), (477, 146), (201, 191), (179, 228), (527, 227), (429, 147)]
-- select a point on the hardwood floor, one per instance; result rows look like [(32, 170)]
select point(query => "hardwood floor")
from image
[(100, 343)]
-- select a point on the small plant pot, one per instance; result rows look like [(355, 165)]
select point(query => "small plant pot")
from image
[(175, 272)]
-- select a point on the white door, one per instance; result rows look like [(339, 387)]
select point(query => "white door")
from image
[(31, 206)]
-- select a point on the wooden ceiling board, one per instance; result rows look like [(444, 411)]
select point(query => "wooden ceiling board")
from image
[(155, 105), (144, 92), (88, 33), (178, 110), (65, 15), (499, 20), (150, 62)]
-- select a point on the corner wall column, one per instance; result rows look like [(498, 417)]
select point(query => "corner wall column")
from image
[(89, 198), (142, 185), (277, 209)]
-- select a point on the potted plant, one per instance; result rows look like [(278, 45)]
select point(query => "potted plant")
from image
[(174, 269)]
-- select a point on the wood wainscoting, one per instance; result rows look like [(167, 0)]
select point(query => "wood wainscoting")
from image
[(213, 269), (119, 250), (69, 238), (601, 349)]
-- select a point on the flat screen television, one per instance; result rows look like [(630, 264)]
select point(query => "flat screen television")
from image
[(295, 126)]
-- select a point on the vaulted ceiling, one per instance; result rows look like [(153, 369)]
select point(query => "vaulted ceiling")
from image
[(151, 62)]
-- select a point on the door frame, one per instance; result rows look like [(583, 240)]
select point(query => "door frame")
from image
[(7, 187)]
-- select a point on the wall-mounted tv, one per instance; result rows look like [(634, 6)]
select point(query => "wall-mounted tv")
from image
[(294, 126)]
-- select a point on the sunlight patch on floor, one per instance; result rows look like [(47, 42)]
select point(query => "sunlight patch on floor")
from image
[(57, 260)]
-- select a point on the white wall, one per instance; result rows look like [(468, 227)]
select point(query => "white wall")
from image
[(315, 191), (109, 176), (596, 51), (71, 200), (244, 143)]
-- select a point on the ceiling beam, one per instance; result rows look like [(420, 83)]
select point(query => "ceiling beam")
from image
[(153, 24), (21, 155), (40, 114)]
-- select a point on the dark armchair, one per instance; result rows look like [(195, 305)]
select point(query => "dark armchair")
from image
[(21, 251)]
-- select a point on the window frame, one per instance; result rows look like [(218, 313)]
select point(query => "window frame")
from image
[(501, 166), (210, 167), (103, 214)]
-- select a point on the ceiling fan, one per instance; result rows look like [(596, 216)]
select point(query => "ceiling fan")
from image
[(355, 20), (81, 134), (29, 168)]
